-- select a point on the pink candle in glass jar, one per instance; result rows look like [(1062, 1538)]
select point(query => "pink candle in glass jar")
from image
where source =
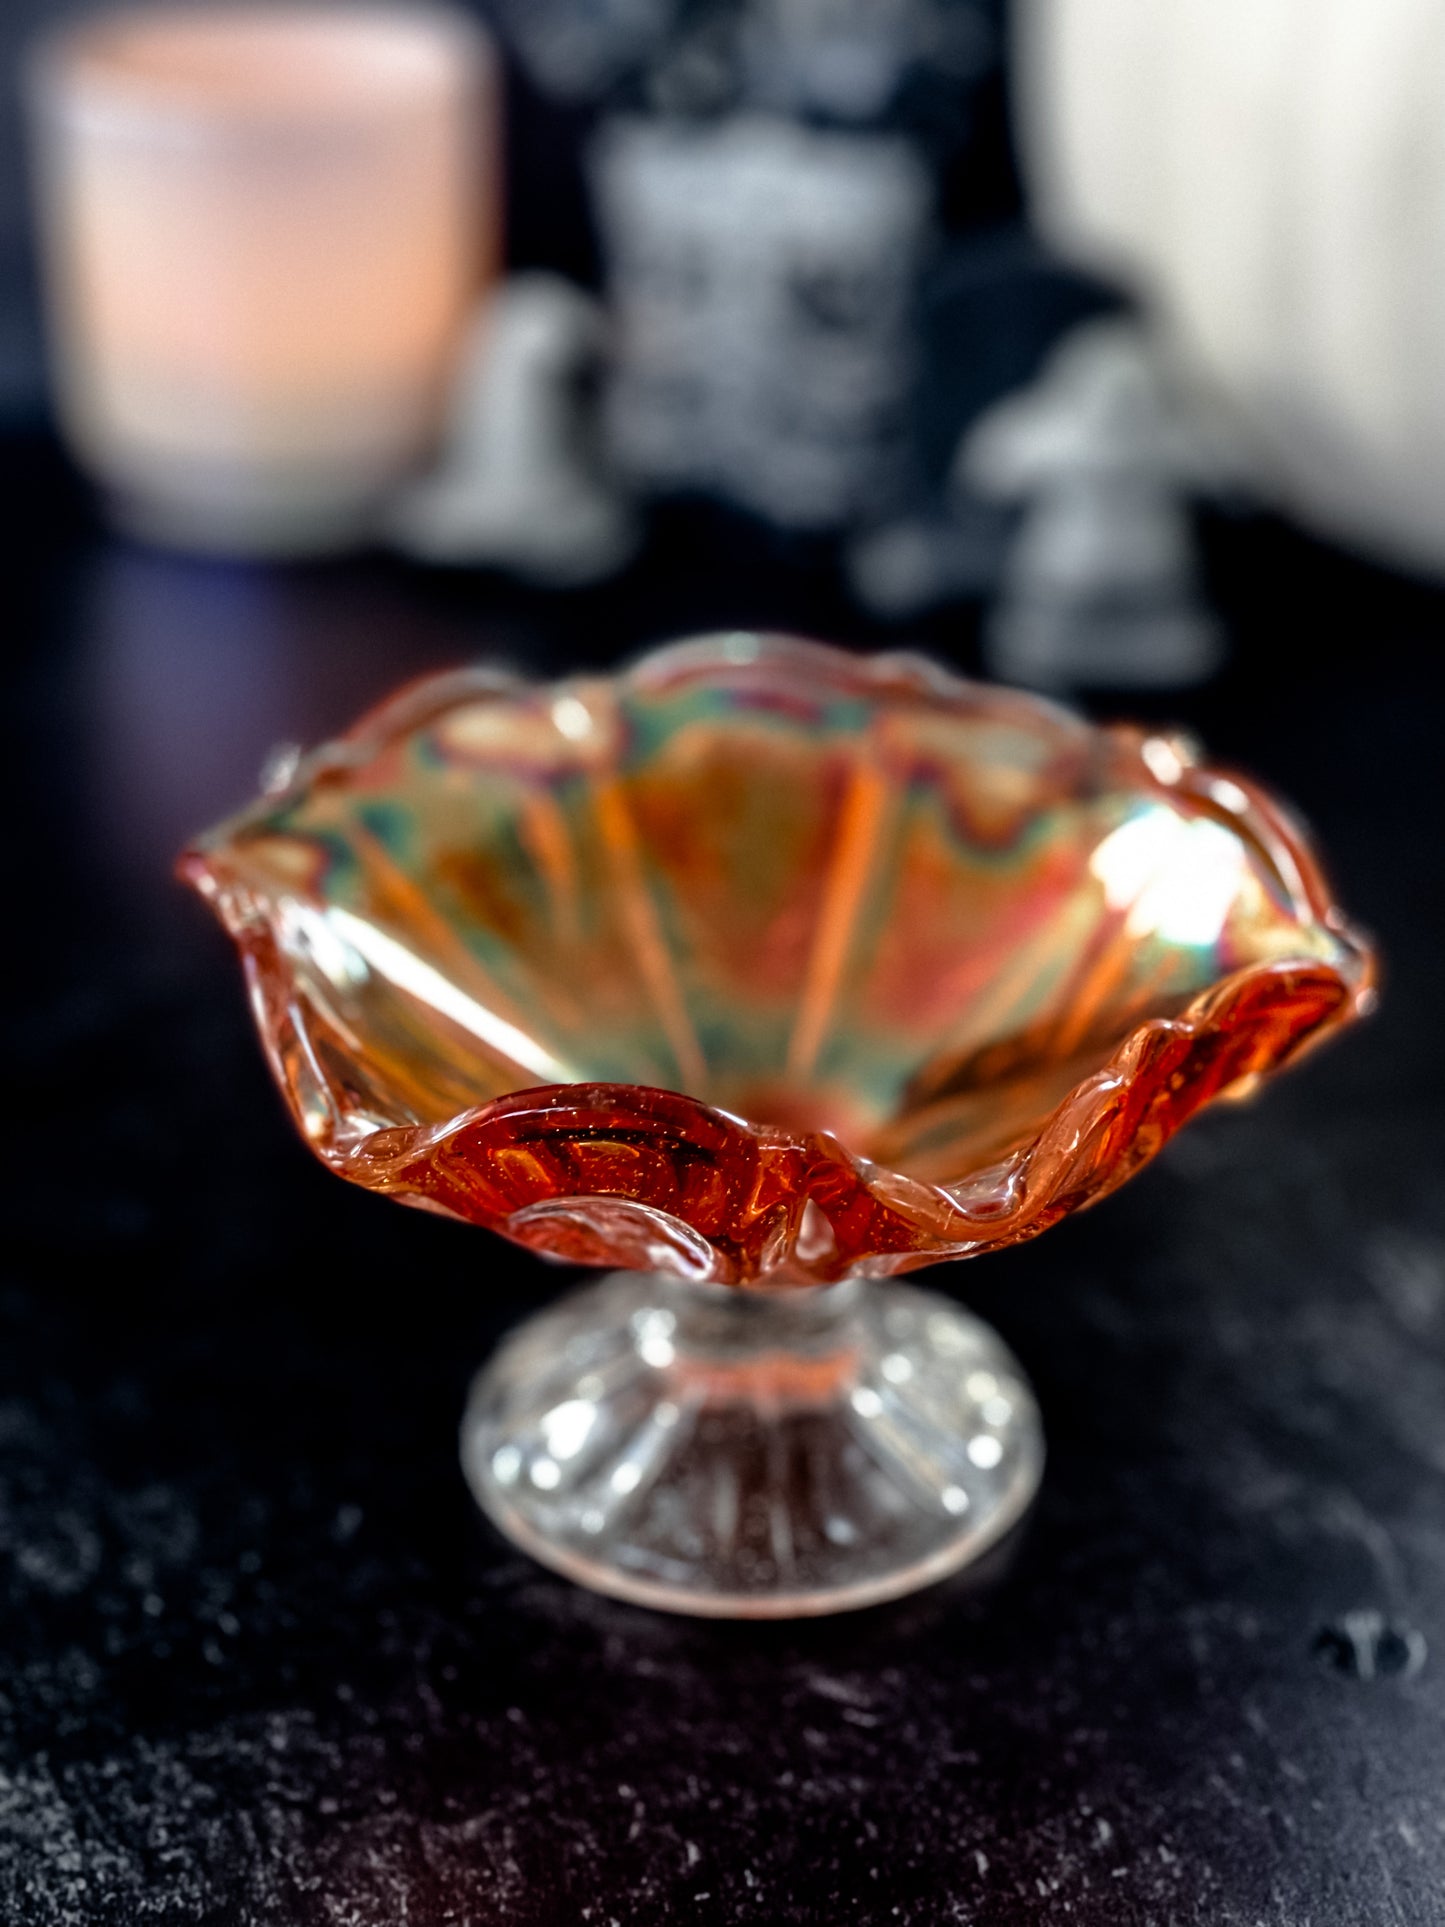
[(264, 230)]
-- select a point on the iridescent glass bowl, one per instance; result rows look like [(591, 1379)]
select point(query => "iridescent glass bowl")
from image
[(764, 973)]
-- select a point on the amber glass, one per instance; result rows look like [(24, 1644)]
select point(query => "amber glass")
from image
[(762, 963)]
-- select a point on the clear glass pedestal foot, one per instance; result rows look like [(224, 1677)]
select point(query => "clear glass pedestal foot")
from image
[(752, 1455)]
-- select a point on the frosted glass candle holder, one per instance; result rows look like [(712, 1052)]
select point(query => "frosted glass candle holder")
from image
[(264, 228)]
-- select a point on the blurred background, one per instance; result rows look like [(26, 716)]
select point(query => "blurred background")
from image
[(340, 341), (956, 319), (949, 317)]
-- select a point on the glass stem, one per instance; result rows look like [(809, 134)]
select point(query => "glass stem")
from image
[(774, 1346)]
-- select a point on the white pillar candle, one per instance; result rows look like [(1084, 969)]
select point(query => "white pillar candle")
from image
[(265, 228)]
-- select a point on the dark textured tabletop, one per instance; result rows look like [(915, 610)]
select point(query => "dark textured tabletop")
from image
[(261, 1662)]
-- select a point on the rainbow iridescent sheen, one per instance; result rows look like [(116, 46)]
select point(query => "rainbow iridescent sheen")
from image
[(763, 962)]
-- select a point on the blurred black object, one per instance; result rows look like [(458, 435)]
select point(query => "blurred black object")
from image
[(772, 181)]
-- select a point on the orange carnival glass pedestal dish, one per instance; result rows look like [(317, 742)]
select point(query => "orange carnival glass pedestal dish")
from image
[(766, 973)]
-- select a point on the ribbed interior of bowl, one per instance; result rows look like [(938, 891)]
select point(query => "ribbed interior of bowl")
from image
[(821, 893)]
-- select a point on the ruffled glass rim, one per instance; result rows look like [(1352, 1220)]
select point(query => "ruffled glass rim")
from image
[(799, 1208)]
